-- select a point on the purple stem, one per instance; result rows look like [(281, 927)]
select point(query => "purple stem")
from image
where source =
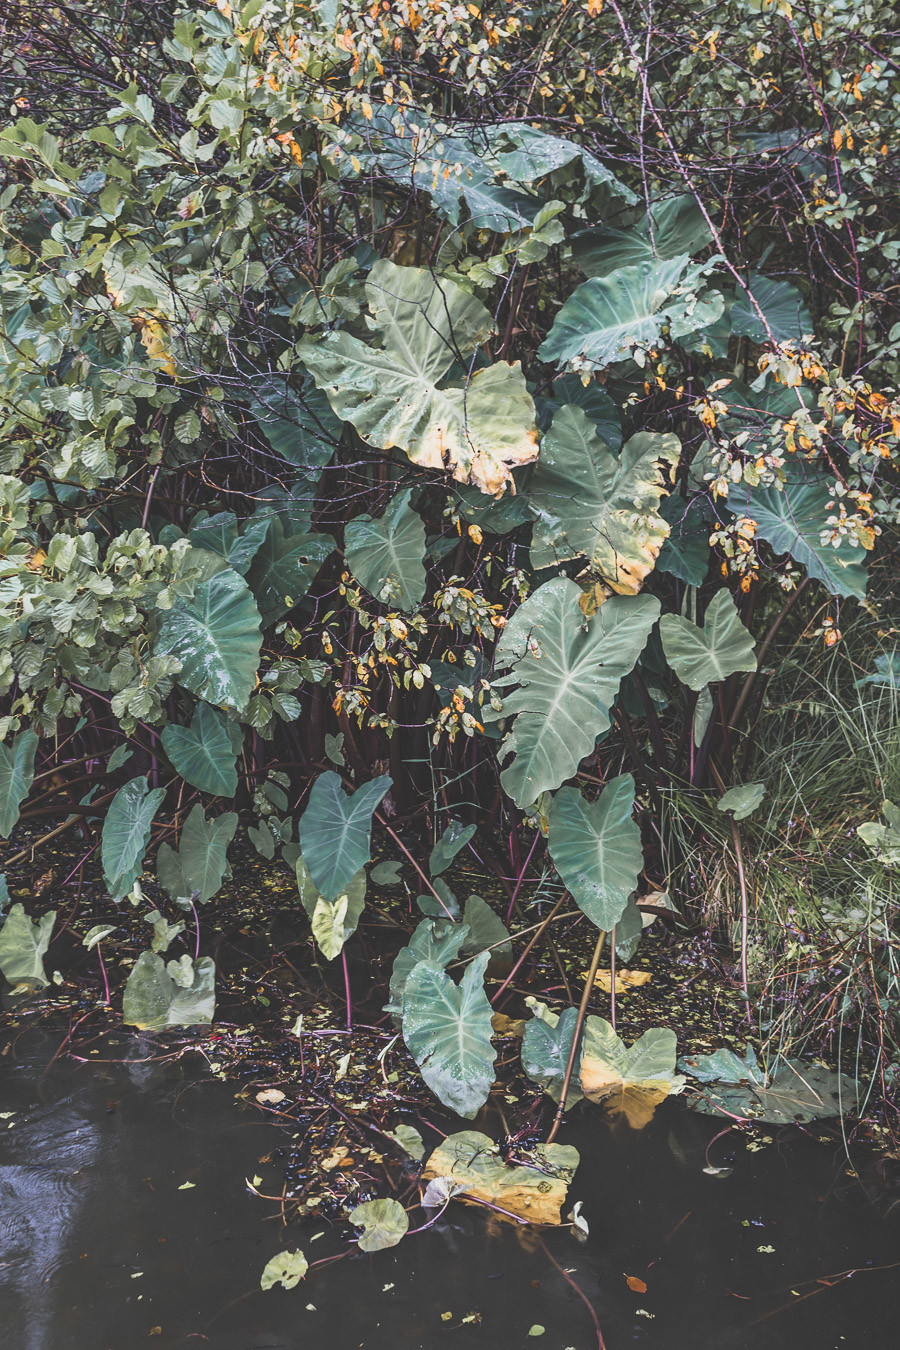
[(197, 927), (103, 972), (521, 877), (347, 990)]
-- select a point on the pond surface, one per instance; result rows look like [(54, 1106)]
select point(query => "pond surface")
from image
[(126, 1221)]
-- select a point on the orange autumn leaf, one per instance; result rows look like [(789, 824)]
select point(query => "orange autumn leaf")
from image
[(636, 1285)]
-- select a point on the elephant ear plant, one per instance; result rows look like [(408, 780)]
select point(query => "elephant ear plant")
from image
[(381, 475)]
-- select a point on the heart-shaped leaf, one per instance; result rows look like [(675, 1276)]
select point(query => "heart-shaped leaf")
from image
[(126, 833), (215, 635), (794, 1092), (589, 503), (781, 303), (16, 777), (204, 752), (336, 830), (447, 1030), (629, 1080), (384, 1224), (198, 867), (792, 520), (487, 931), (701, 656), (567, 671), (221, 534), (743, 800), (454, 838), (181, 994), (23, 945), (669, 229), (435, 940), (546, 1046), (285, 567), (385, 553), (596, 848)]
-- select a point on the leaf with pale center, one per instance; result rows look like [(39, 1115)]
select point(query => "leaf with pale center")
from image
[(336, 830), (447, 1030), (596, 848), (180, 994), (23, 945), (215, 635), (567, 671), (473, 1170), (397, 394), (590, 503), (629, 1080), (333, 921), (385, 553)]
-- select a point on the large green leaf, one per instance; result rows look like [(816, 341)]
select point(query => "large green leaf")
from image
[(447, 1030), (285, 568), (592, 398), (781, 303), (179, 994), (607, 316), (222, 535), (455, 837), (701, 656), (670, 228), (792, 521), (301, 428), (567, 670), (216, 637), (126, 833), (546, 1046), (395, 394), (16, 777), (333, 921), (589, 503), (23, 945), (526, 154), (435, 940), (385, 553), (336, 830), (200, 863), (204, 752), (486, 930), (685, 553), (596, 848)]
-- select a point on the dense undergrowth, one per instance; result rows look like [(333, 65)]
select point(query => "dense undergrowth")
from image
[(475, 425)]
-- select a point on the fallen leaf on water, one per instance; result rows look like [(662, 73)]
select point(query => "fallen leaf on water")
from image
[(535, 1192), (626, 980), (335, 1158), (635, 1284), (507, 1026), (630, 1080), (270, 1096), (187, 1186)]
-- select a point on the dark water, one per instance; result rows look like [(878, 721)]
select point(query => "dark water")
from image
[(101, 1249)]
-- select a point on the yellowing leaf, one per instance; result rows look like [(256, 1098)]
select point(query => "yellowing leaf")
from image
[(626, 980)]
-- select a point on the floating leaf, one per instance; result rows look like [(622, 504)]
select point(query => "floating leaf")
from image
[(333, 921), (884, 839), (201, 860), (23, 945), (96, 934), (629, 1080), (567, 671), (386, 874), (596, 848), (546, 1046), (385, 553), (409, 1139), (126, 834), (590, 503), (742, 801), (336, 830), (535, 1192), (16, 777), (180, 994), (286, 1269), (204, 752), (384, 1224), (626, 980), (396, 395), (447, 1030), (454, 838), (794, 1093), (215, 635), (701, 656)]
